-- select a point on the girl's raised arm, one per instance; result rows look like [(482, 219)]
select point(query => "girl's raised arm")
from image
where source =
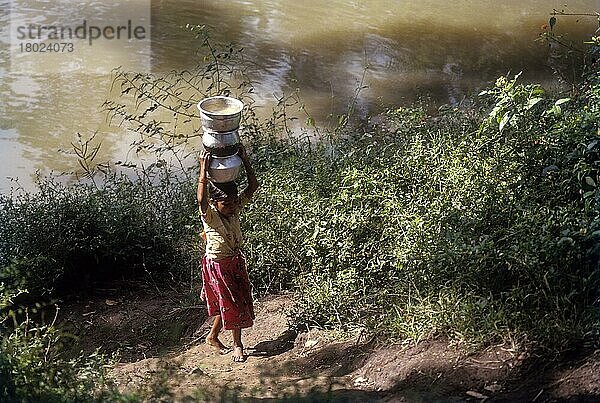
[(202, 193), (252, 181)]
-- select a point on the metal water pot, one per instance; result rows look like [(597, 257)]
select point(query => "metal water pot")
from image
[(220, 114), (221, 144), (224, 169)]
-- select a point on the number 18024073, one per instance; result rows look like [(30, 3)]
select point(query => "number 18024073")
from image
[(55, 47)]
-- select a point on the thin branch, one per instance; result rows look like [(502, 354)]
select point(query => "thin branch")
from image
[(556, 12)]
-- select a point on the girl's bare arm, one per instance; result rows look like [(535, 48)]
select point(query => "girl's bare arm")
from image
[(202, 193), (252, 181)]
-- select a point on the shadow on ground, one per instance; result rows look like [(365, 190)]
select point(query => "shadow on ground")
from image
[(270, 348)]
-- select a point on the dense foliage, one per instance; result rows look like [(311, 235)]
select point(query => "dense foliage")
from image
[(475, 229), (62, 238)]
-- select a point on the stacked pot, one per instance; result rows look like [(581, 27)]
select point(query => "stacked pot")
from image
[(220, 124)]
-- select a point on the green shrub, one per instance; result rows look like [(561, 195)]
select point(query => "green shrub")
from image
[(446, 225), (34, 366), (62, 238)]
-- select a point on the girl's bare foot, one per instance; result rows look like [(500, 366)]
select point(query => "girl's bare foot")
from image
[(216, 343), (238, 354)]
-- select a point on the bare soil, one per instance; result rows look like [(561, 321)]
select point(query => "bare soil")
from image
[(163, 357)]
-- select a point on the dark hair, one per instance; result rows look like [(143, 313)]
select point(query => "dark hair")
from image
[(221, 191)]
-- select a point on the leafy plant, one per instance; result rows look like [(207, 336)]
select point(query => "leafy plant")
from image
[(34, 366)]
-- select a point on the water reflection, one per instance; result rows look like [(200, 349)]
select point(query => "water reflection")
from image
[(432, 48)]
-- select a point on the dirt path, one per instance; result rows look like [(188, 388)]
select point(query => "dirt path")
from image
[(164, 359)]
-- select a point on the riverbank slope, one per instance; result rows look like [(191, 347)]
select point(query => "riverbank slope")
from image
[(164, 358)]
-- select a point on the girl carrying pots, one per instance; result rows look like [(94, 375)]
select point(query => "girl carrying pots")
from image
[(226, 287)]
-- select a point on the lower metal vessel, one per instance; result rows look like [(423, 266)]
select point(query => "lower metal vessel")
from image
[(224, 169)]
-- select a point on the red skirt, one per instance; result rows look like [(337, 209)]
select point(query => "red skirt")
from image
[(226, 291)]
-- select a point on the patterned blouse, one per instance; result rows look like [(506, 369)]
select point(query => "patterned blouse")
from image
[(223, 234)]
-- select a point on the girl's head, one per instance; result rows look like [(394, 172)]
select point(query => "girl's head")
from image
[(224, 196)]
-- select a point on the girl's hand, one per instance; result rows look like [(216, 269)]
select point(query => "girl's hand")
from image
[(205, 159)]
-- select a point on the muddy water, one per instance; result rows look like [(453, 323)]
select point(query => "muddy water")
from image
[(404, 50)]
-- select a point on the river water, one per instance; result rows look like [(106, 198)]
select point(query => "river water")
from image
[(406, 50)]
